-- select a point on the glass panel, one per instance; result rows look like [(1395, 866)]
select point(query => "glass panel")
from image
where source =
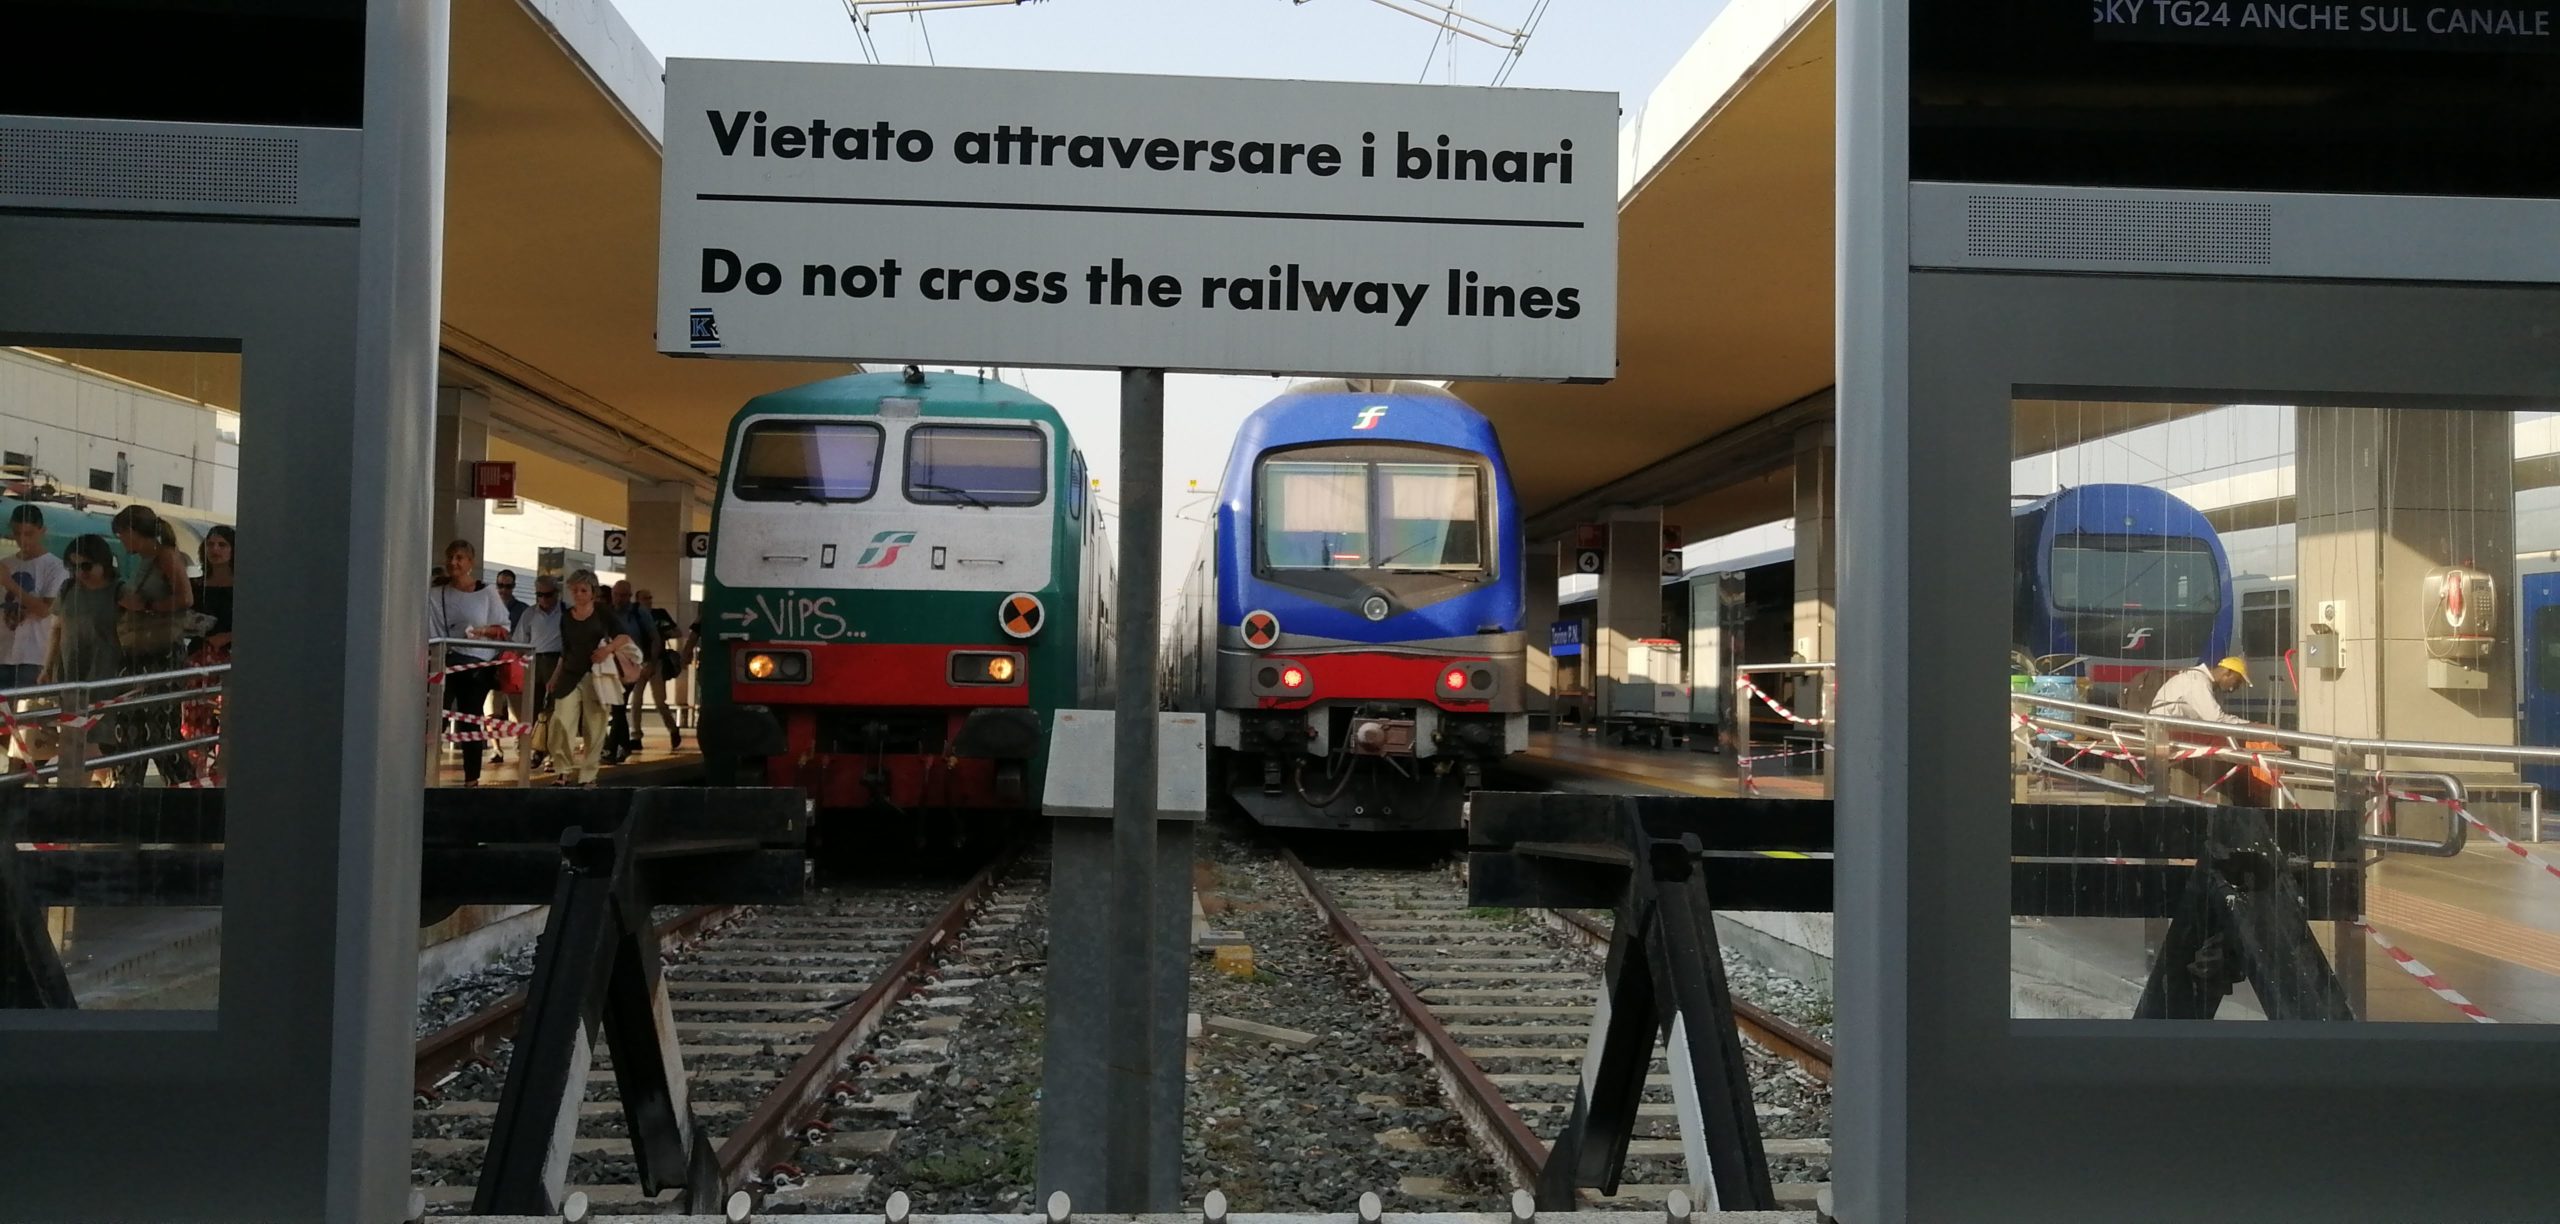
[(116, 634), (977, 465), (1315, 515), (2278, 696), (1433, 518), (793, 461)]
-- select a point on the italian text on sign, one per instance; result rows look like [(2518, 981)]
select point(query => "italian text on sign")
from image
[(836, 211)]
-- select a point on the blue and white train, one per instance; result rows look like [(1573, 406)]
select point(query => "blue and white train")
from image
[(1352, 620)]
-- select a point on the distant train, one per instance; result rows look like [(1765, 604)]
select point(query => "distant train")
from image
[(1352, 620), (2111, 581), (907, 576)]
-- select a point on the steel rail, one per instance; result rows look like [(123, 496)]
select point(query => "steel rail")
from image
[(1766, 1029), (768, 1130), (477, 1035), (1489, 1116)]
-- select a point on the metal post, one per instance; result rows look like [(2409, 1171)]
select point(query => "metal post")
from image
[(435, 713), (71, 753), (1133, 803)]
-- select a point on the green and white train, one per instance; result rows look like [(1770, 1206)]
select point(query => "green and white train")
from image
[(907, 576)]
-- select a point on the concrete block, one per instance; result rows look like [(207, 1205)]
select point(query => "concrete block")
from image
[(1260, 1032)]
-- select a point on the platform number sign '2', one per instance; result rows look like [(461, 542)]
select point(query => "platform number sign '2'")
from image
[(617, 543)]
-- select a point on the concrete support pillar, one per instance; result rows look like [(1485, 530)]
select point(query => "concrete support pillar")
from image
[(1817, 592), (1630, 600), (2385, 497), (661, 512), (1538, 577), (462, 438)]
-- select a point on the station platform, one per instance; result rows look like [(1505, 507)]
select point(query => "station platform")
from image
[(1572, 760), (2485, 922), (654, 765)]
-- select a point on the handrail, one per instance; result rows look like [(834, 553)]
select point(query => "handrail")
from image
[(72, 703), (2457, 831), (2341, 745)]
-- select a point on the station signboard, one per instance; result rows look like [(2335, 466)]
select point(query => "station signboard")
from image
[(891, 214), (1566, 639), (2397, 97), (493, 479)]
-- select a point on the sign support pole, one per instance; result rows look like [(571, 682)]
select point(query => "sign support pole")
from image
[(1132, 1122)]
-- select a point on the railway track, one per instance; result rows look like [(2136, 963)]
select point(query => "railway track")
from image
[(1504, 1014), (769, 1004)]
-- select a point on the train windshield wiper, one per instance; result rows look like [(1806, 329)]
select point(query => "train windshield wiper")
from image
[(1385, 561), (965, 496)]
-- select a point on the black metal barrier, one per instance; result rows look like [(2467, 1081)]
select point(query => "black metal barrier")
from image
[(2239, 888), (600, 858)]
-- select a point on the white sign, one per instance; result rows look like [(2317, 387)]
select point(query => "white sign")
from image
[(892, 214)]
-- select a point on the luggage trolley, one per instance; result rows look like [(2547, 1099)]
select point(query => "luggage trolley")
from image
[(1650, 706)]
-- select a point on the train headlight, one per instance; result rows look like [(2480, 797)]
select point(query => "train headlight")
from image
[(774, 666), (985, 667), (1376, 607)]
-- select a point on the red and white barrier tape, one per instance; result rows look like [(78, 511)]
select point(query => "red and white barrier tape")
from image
[(490, 728), (1753, 690), (443, 672), (2428, 978), (2458, 808)]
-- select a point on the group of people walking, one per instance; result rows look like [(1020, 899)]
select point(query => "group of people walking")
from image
[(594, 656), (81, 617)]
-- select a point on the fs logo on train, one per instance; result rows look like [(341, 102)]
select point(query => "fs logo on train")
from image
[(883, 550)]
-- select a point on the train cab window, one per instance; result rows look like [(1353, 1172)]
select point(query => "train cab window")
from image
[(807, 461), (1315, 515), (1431, 517), (977, 465), (2094, 573), (1076, 486)]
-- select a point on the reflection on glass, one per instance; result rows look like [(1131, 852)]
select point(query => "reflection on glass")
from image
[(1431, 519), (1315, 515), (792, 461), (977, 465), (2285, 700), (117, 486)]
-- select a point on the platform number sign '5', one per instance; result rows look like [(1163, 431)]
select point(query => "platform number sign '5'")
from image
[(617, 543)]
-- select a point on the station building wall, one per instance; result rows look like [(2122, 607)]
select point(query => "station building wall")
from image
[(85, 429)]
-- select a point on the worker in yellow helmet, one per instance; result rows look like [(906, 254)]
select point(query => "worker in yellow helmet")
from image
[(2195, 693)]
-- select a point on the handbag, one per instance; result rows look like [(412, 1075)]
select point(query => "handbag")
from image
[(510, 678), (148, 632)]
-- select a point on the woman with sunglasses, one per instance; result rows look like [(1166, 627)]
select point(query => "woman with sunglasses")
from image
[(84, 631), (84, 628)]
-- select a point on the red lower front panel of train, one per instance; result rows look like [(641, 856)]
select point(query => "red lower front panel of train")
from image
[(901, 728)]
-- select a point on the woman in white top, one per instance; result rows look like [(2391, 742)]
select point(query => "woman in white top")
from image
[(466, 607)]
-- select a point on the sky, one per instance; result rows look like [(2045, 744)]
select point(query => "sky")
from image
[(1621, 46)]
